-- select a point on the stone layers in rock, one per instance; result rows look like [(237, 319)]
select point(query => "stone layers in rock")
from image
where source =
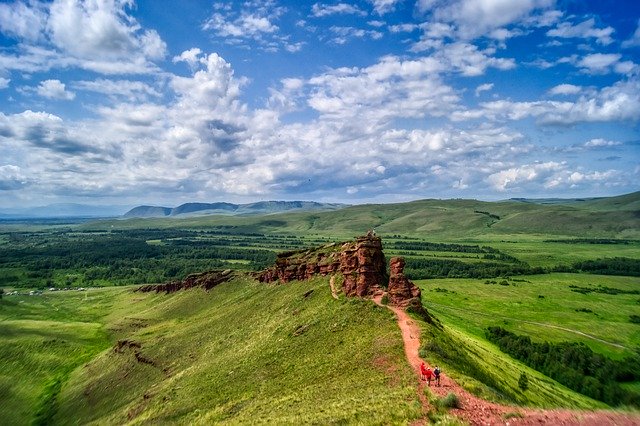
[(401, 291), (361, 263)]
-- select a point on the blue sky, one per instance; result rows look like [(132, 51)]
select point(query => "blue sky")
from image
[(162, 102)]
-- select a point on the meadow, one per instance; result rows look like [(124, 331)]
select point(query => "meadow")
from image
[(109, 355), (240, 352)]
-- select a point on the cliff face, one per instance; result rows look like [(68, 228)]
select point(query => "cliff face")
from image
[(361, 262), (401, 291)]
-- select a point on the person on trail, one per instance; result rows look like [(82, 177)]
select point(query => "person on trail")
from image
[(423, 371), (436, 374), (429, 376)]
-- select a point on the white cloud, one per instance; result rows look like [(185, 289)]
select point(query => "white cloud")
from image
[(585, 30), (469, 60), (191, 57), (54, 89), (545, 174), (383, 6), (4, 82), (101, 30), (12, 178), (483, 88), (634, 40), (23, 21), (95, 35), (474, 18), (601, 143), (321, 10), (343, 34), (390, 88), (252, 22), (619, 102), (565, 89), (130, 90), (598, 63)]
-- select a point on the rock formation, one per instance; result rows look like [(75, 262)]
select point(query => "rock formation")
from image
[(206, 280), (401, 291), (360, 262)]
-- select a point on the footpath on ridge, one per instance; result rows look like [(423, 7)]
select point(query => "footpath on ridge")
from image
[(362, 267)]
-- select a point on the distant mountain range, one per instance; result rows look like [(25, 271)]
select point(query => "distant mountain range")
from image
[(201, 209)]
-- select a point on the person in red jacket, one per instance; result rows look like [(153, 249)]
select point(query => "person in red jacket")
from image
[(423, 371), (429, 374)]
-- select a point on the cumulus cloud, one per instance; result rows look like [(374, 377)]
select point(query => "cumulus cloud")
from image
[(383, 6), (549, 175), (23, 21), (565, 89), (42, 130), (617, 103), (12, 178), (95, 35), (585, 29), (343, 34), (390, 88), (4, 82), (251, 22), (54, 89), (483, 88), (599, 63), (474, 18), (634, 40), (320, 10)]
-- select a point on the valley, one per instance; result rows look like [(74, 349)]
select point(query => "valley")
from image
[(244, 349)]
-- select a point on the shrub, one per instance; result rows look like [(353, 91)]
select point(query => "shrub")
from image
[(634, 319), (523, 382), (450, 401)]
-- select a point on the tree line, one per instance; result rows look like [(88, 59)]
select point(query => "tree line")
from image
[(574, 365)]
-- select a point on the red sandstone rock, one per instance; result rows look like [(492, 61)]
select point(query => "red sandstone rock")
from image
[(361, 263), (401, 291)]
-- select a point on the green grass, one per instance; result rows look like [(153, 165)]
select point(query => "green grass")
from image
[(443, 220), (240, 353), (44, 338), (543, 307)]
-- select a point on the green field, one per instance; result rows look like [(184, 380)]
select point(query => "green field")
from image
[(543, 307), (240, 352), (246, 350)]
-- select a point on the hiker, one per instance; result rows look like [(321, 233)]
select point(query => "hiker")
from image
[(436, 373), (423, 371), (429, 374)]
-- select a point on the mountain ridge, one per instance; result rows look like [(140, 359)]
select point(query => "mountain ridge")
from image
[(223, 208)]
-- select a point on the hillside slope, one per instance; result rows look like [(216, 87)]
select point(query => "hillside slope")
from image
[(614, 217), (245, 351)]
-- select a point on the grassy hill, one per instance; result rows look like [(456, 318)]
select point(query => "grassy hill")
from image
[(240, 353), (613, 217)]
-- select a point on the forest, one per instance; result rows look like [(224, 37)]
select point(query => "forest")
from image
[(574, 365)]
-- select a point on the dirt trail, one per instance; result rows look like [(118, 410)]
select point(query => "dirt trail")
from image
[(477, 411)]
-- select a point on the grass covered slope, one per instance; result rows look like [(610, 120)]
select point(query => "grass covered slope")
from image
[(612, 217), (246, 352), (44, 338)]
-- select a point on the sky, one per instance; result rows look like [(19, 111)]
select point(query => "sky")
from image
[(124, 102)]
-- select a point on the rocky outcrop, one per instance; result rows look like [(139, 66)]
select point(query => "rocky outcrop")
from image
[(363, 266), (205, 280), (401, 291), (361, 263)]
